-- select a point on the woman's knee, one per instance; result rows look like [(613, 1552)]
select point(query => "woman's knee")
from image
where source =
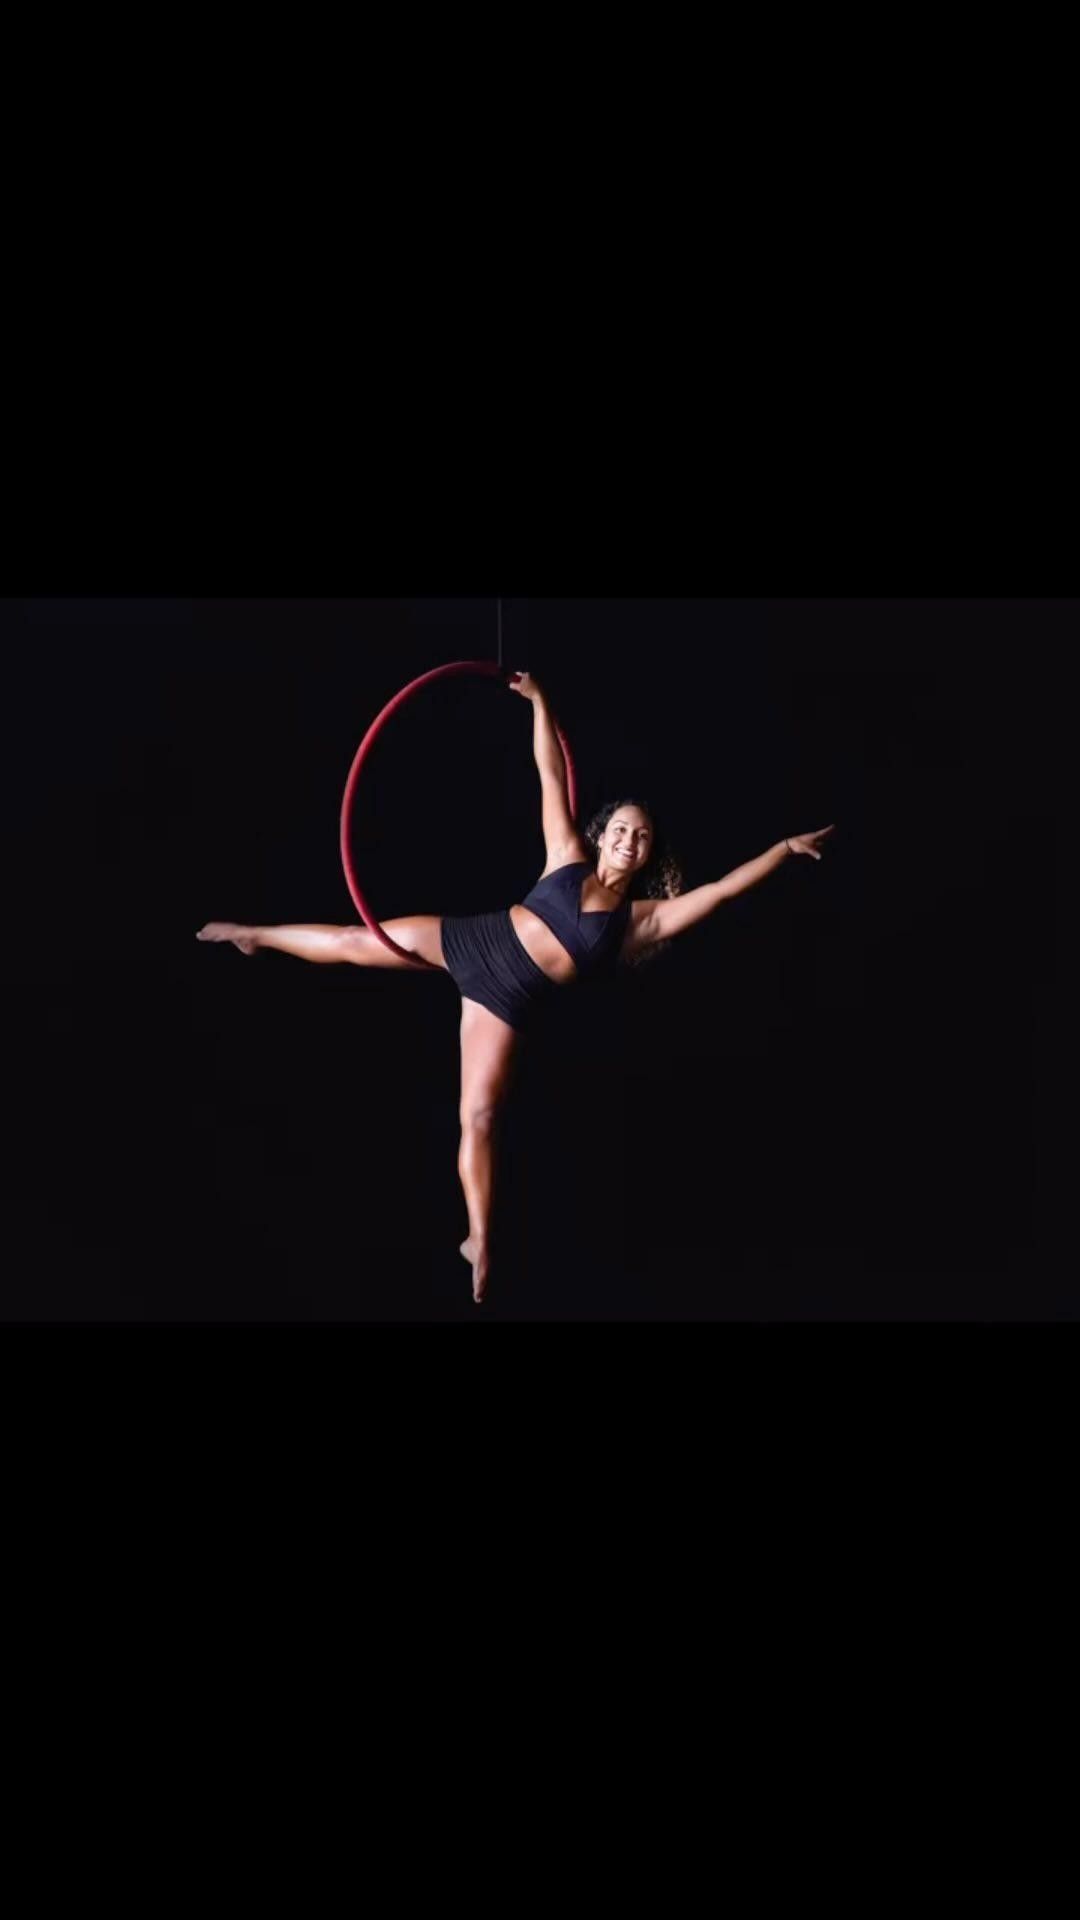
[(354, 944), (479, 1117)]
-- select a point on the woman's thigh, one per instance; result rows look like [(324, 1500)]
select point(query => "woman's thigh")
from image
[(488, 1053), (419, 933)]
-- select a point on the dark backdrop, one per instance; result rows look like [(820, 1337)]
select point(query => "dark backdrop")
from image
[(833, 1099)]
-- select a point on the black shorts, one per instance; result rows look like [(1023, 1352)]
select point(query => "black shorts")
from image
[(487, 962)]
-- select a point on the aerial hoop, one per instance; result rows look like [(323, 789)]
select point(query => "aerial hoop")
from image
[(492, 669)]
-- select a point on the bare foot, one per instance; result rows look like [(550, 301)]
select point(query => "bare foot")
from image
[(477, 1256), (242, 937)]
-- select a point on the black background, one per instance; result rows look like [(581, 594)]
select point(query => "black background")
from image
[(833, 1100)]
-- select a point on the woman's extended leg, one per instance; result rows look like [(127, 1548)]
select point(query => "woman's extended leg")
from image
[(488, 1047), (353, 946)]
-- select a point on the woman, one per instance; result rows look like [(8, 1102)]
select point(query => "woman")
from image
[(609, 896)]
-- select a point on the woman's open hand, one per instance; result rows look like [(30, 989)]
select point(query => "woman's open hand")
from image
[(809, 842), (523, 683)]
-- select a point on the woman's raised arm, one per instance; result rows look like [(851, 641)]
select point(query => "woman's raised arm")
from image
[(560, 833)]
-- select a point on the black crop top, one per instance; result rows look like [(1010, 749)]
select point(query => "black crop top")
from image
[(591, 938)]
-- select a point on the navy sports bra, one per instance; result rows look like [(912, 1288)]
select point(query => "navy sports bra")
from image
[(593, 938)]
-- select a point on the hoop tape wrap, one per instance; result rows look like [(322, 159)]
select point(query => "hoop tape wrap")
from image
[(492, 669)]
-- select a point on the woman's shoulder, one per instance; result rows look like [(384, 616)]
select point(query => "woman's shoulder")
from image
[(567, 859)]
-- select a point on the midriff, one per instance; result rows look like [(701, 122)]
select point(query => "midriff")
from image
[(545, 947), (542, 945)]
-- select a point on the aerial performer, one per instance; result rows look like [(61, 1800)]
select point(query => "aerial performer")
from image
[(610, 895)]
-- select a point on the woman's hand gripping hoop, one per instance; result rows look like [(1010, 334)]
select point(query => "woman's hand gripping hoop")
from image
[(488, 667)]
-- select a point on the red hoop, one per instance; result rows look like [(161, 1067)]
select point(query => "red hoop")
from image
[(366, 744)]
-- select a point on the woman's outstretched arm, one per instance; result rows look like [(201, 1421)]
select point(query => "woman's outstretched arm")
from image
[(670, 917)]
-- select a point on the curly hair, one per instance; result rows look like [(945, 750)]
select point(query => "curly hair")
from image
[(659, 879)]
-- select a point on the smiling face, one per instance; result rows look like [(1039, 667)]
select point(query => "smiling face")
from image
[(626, 842)]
